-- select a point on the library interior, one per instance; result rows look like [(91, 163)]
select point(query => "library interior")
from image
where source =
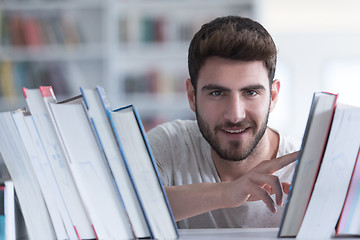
[(136, 51)]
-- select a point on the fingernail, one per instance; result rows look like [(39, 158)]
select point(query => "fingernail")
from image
[(274, 210)]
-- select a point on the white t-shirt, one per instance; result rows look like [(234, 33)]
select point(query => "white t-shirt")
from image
[(183, 157)]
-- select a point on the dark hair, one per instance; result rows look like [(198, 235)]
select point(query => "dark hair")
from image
[(234, 38)]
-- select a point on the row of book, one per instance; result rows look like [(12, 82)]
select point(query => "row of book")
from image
[(154, 81), (15, 75), (324, 199), (20, 29), (156, 29), (82, 170)]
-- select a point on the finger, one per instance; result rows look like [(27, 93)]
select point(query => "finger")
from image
[(271, 184), (263, 195), (268, 188), (275, 164)]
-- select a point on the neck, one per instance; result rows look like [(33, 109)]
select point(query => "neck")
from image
[(265, 150)]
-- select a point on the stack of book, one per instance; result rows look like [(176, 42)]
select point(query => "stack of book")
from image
[(323, 201), (82, 170)]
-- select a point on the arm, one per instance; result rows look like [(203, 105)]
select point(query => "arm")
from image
[(258, 184), (193, 199)]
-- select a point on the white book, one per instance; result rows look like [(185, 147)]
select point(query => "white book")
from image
[(28, 191), (40, 175), (37, 104), (9, 210), (349, 221), (45, 174), (131, 137), (90, 171), (334, 176), (308, 162), (113, 154)]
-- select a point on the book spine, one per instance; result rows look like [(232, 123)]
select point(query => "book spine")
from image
[(142, 130)]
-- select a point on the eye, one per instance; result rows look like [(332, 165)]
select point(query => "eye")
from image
[(216, 93), (251, 93)]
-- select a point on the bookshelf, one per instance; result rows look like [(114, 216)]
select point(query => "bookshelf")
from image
[(60, 43), (136, 50)]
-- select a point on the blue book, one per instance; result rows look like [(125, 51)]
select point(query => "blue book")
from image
[(131, 138), (115, 160)]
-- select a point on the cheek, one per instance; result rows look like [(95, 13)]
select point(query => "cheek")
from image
[(258, 110), (209, 112)]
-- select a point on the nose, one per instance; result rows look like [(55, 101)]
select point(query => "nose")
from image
[(235, 109)]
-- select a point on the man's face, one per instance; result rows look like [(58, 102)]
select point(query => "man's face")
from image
[(232, 106)]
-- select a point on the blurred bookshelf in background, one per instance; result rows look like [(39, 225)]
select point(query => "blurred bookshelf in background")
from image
[(136, 50)]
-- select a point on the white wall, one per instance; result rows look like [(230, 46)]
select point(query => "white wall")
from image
[(319, 50)]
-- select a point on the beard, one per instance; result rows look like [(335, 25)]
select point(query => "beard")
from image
[(237, 150)]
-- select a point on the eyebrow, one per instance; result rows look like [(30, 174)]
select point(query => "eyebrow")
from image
[(254, 87), (222, 88), (213, 87)]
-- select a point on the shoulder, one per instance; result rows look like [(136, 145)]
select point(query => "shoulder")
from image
[(175, 125), (179, 151), (176, 128), (170, 139), (287, 144)]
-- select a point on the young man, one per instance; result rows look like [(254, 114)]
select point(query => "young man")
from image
[(214, 169)]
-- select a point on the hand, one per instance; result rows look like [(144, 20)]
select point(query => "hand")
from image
[(260, 183)]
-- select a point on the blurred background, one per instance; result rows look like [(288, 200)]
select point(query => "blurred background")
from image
[(137, 51)]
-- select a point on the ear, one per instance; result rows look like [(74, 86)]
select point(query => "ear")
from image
[(190, 94), (275, 88)]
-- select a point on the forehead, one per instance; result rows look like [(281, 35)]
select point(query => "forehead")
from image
[(232, 74)]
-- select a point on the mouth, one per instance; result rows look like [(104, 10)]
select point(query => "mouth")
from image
[(234, 131), (235, 134)]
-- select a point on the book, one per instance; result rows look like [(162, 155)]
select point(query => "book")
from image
[(2, 211), (7, 211), (115, 160), (349, 221), (56, 206), (334, 176), (28, 191), (308, 162), (37, 102), (92, 176), (50, 202), (131, 137)]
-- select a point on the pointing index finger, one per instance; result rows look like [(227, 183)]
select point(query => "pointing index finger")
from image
[(275, 164)]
